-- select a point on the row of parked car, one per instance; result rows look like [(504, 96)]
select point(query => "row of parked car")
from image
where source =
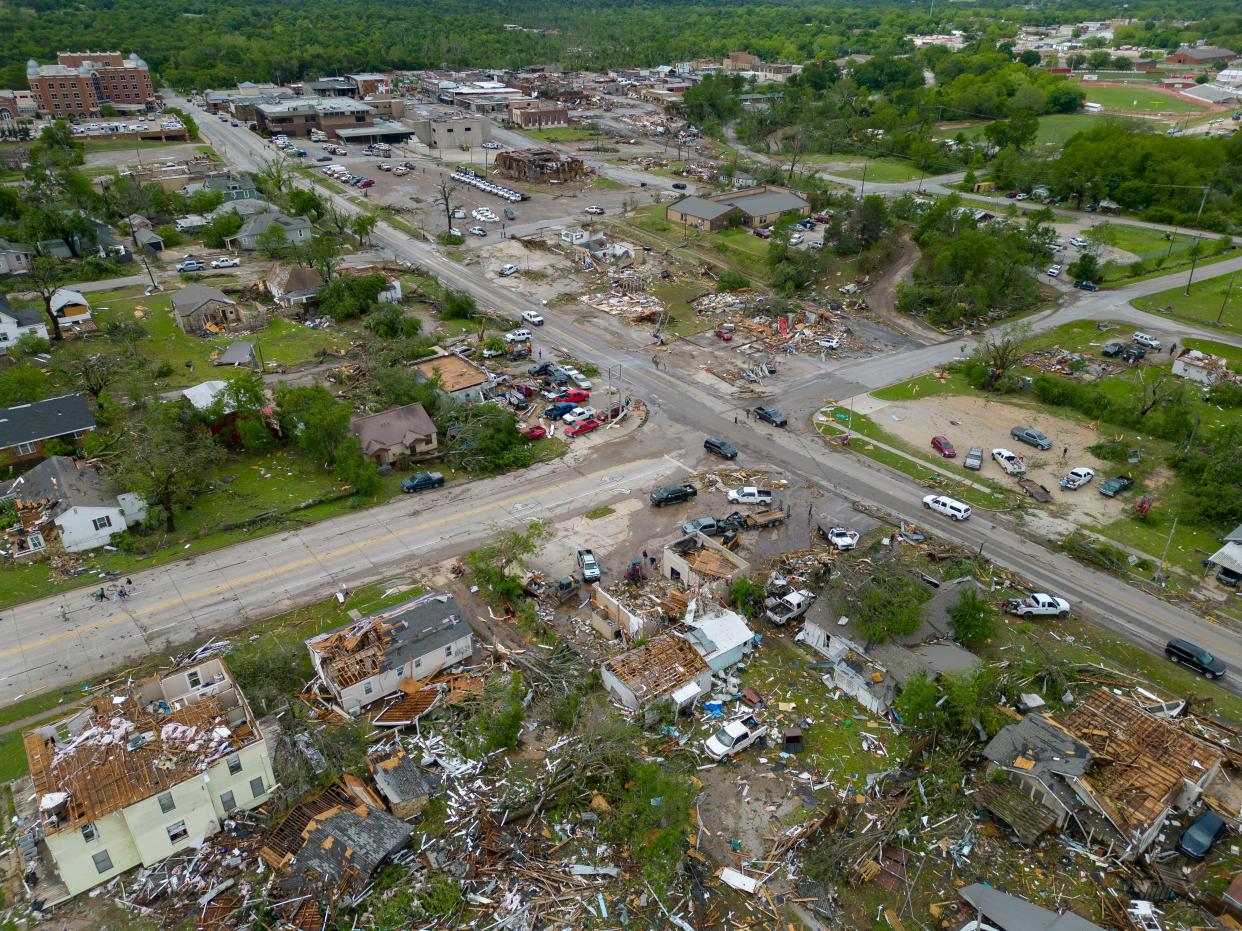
[(466, 176)]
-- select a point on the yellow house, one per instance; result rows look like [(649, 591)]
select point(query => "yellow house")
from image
[(142, 773)]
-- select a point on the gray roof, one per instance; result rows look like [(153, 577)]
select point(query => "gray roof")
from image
[(193, 296), (765, 202), (241, 353), (700, 207), (401, 779), (61, 479), (1009, 913), (42, 420), (1234, 535), (399, 426), (1053, 751), (1203, 52), (430, 623), (148, 237), (345, 842), (254, 226), (7, 245), (25, 316)]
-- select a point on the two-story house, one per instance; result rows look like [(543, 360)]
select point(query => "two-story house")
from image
[(142, 773)]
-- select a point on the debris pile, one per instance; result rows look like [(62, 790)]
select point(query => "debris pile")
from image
[(633, 306), (1058, 361)]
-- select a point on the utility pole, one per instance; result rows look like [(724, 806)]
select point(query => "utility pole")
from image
[(1228, 290), (862, 191), (1164, 558)]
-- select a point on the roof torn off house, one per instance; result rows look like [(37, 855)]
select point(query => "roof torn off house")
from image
[(665, 667)]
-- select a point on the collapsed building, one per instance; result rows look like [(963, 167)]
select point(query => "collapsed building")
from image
[(539, 166), (1113, 770), (139, 774), (394, 651)]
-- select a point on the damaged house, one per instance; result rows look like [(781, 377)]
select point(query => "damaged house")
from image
[(372, 658), (697, 559), (539, 166), (139, 774), (665, 668), (71, 501), (1114, 770)]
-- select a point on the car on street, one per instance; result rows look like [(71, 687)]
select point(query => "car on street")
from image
[(704, 525), (190, 265), (365, 183), (673, 494), (593, 210), (323, 158), (1116, 485), (1031, 437), (974, 459), (507, 270), (478, 231), (491, 145), (1076, 478), (1198, 840), (770, 415), (421, 481), (509, 214), (942, 445), (226, 261), (521, 335), (949, 507), (1054, 271), (1194, 657), (679, 185), (719, 447), (1086, 286), (1147, 341), (533, 317), (582, 426)]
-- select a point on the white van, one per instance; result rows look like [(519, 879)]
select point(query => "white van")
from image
[(950, 507)]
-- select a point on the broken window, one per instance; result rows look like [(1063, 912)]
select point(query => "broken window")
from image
[(89, 832), (235, 766), (367, 688), (256, 786), (227, 801), (103, 862), (194, 679), (177, 831), (166, 802)]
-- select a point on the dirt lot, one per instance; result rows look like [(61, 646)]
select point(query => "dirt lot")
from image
[(970, 421)]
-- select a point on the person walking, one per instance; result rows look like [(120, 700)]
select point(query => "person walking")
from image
[(1064, 453)]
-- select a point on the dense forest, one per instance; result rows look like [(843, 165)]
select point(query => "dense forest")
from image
[(200, 43)]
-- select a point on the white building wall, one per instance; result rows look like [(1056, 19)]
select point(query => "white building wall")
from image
[(77, 530), (353, 697), (74, 855), (11, 331), (618, 689)]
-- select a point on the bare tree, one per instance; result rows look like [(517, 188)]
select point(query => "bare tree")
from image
[(45, 278), (799, 144), (443, 198), (1002, 349)]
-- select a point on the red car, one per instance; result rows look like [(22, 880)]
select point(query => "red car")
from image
[(942, 445), (581, 427), (574, 396), (534, 432), (367, 183)]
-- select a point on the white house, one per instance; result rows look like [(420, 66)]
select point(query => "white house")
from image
[(76, 497), (1201, 368), (15, 257), (369, 659), (71, 306), (722, 638), (140, 774), (665, 668), (15, 324)]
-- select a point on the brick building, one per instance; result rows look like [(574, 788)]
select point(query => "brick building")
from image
[(82, 82)]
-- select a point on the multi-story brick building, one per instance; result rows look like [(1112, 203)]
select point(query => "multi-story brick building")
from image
[(82, 82)]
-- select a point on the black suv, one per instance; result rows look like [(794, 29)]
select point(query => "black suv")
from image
[(720, 447), (771, 415), (1185, 653), (673, 494)]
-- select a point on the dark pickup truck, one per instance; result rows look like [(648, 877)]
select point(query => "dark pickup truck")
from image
[(1115, 486), (673, 494)]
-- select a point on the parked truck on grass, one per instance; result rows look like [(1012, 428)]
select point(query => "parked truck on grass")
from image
[(735, 737)]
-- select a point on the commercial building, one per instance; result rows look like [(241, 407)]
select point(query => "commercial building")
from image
[(297, 116), (452, 132), (82, 82), (1200, 55), (754, 207), (142, 773), (540, 116)]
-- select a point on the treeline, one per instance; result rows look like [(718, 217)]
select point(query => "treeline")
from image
[(200, 43)]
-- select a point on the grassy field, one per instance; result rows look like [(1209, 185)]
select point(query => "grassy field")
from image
[(1143, 242), (882, 170), (677, 296), (1054, 130), (1138, 100), (1205, 303), (126, 145)]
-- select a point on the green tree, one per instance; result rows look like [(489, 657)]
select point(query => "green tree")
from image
[(165, 456), (916, 705), (392, 322), (351, 466), (499, 567), (304, 203), (1030, 58), (31, 344), (273, 241), (324, 255), (45, 278), (87, 371), (315, 420), (221, 227), (22, 383), (747, 596), (891, 606), (458, 305), (1085, 268), (363, 225), (350, 296), (974, 619), (204, 201)]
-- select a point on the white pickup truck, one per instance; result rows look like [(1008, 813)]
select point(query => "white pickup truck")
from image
[(1009, 461), (750, 495), (589, 565), (1038, 605), (734, 737), (788, 607)]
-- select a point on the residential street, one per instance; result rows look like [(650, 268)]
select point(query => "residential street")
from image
[(186, 600)]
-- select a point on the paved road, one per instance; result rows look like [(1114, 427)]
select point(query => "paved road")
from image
[(184, 600)]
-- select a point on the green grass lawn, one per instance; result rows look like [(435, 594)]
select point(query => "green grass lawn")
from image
[(1204, 304), (882, 170), (1054, 130), (924, 386), (743, 240), (1143, 242), (607, 184), (96, 144), (1138, 100), (677, 296), (283, 342)]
